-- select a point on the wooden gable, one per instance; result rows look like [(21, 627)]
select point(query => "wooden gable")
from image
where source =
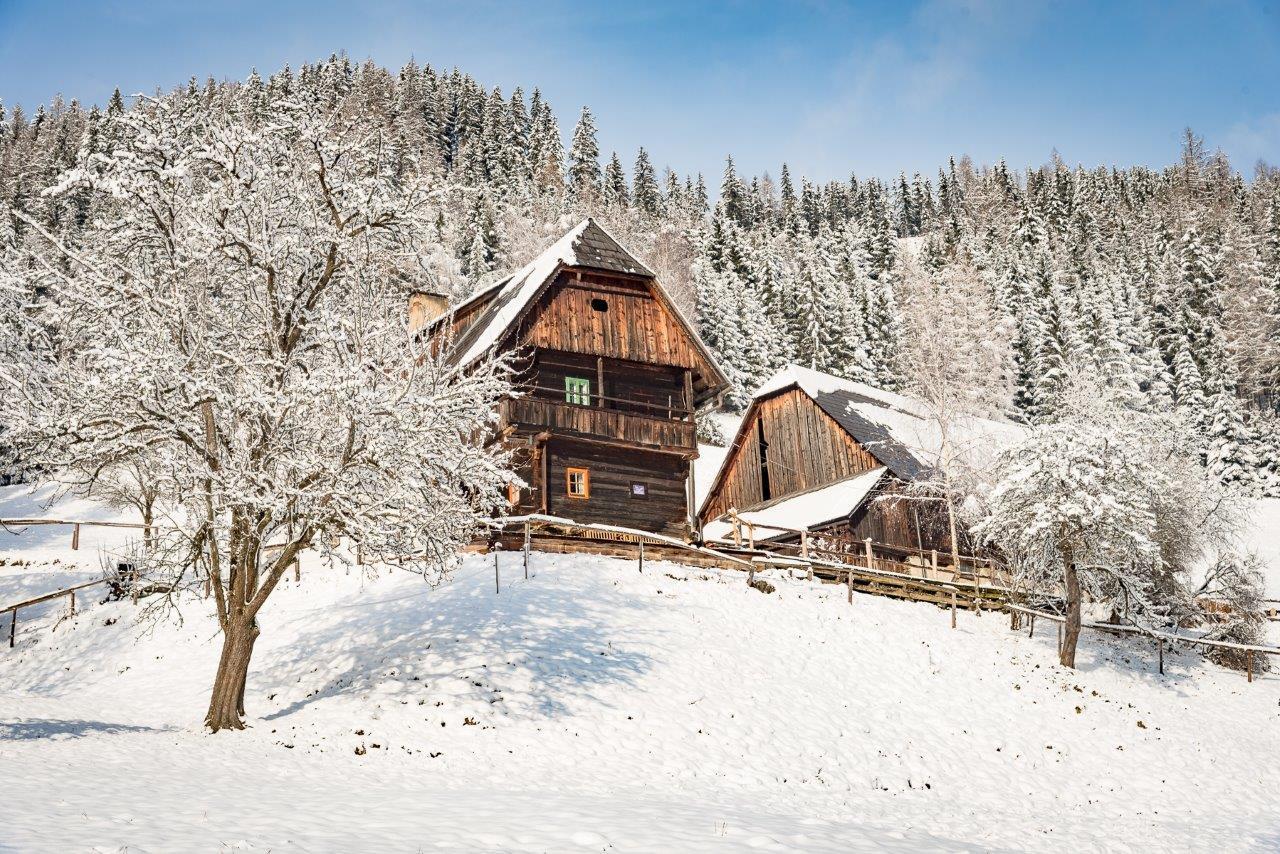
[(617, 317), (805, 449)]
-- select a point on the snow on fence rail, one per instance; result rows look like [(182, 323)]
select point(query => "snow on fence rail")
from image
[(70, 592), (532, 520), (6, 524), (1160, 637)]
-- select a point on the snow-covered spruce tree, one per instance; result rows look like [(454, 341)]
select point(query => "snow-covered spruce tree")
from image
[(583, 173), (241, 309)]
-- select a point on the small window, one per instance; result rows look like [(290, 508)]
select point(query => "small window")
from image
[(598, 304), (639, 490), (577, 391), (578, 483)]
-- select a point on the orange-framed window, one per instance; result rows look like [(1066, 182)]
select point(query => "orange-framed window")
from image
[(577, 483)]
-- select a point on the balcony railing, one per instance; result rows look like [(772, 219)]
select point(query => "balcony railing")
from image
[(640, 423)]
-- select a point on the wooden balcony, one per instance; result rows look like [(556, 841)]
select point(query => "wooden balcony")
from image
[(538, 412)]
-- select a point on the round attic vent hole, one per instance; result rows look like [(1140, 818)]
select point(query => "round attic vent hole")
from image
[(599, 304)]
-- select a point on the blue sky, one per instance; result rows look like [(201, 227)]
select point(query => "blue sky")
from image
[(829, 87)]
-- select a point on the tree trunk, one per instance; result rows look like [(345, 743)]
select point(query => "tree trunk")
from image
[(226, 705), (148, 531), (1071, 632)]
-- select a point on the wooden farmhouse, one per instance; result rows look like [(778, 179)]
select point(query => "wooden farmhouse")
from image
[(820, 454), (610, 376)]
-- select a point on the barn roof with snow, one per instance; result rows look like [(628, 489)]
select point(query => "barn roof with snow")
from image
[(896, 429)]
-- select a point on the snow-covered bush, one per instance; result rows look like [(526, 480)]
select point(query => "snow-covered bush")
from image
[(1111, 504), (237, 309), (1235, 587)]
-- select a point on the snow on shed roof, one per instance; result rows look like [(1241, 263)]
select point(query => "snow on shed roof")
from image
[(810, 509), (895, 428), (586, 245)]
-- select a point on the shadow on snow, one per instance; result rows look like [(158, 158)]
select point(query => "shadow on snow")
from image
[(551, 642)]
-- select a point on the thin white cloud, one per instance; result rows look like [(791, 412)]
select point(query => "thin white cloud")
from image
[(909, 72), (1248, 142)]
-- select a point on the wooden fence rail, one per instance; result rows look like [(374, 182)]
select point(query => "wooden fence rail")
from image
[(1159, 637), (70, 592), (971, 569), (75, 526)]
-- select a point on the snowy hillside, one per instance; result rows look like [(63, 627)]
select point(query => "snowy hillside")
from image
[(592, 708), (38, 559)]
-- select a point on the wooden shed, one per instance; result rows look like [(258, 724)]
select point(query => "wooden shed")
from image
[(819, 453), (611, 377)]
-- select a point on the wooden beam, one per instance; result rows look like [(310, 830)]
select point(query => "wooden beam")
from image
[(544, 451), (600, 381)]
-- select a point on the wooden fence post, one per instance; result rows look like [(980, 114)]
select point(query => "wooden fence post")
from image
[(804, 553), (751, 535), (13, 626), (870, 559), (497, 586), (953, 607), (526, 551), (933, 561), (73, 604), (1160, 650), (1248, 659), (75, 537), (642, 554), (848, 580), (1032, 632)]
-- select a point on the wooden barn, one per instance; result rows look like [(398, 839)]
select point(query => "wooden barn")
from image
[(815, 453), (611, 376)]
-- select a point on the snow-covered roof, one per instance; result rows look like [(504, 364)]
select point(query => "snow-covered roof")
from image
[(896, 429), (586, 245), (805, 510)]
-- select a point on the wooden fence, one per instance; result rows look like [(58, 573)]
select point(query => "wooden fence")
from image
[(876, 576), (69, 592), (1159, 637), (5, 524), (923, 563)]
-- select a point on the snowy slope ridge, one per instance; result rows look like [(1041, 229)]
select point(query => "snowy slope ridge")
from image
[(594, 708)]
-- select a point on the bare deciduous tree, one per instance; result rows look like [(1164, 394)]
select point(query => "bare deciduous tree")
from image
[(238, 308)]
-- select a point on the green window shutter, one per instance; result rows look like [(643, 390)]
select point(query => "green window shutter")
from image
[(577, 390)]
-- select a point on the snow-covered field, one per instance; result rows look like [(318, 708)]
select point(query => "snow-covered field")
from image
[(592, 708)]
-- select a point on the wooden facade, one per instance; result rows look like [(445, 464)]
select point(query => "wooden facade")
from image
[(803, 449), (610, 376)]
